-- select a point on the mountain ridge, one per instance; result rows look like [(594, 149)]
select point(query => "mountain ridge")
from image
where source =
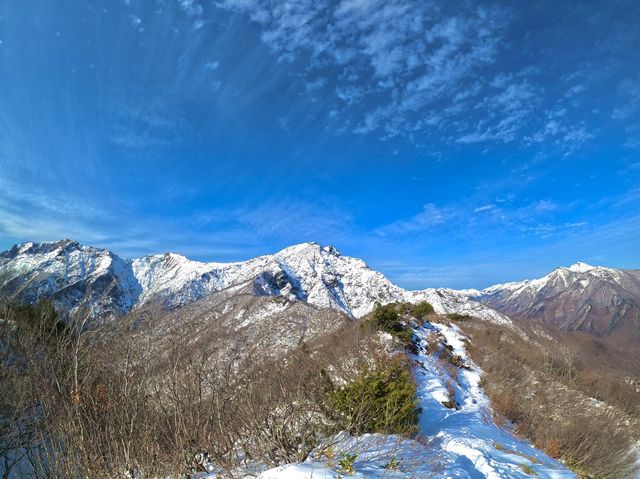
[(581, 297), (77, 276)]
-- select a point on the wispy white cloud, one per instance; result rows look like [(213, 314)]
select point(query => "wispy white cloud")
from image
[(480, 209), (539, 217), (430, 217), (459, 74), (506, 111), (27, 214), (556, 130), (285, 220), (628, 110), (136, 23), (141, 125), (629, 91), (398, 61), (191, 8), (542, 206), (573, 139)]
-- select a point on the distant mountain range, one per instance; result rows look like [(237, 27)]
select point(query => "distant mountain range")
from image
[(597, 300), (593, 299), (83, 277)]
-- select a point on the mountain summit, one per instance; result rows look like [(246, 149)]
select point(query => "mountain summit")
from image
[(580, 267), (582, 297)]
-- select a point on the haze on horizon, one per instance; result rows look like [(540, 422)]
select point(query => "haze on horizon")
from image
[(454, 144)]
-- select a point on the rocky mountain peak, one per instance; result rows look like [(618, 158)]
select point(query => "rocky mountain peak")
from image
[(580, 267), (580, 297), (319, 275), (305, 249)]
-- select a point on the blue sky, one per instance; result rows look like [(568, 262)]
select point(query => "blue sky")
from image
[(448, 143)]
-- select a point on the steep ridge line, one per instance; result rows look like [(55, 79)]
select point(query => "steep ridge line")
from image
[(307, 272)]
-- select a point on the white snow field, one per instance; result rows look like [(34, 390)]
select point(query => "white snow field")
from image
[(456, 443)]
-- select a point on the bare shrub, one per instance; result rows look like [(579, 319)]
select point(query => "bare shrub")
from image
[(544, 385), (125, 396), (450, 403)]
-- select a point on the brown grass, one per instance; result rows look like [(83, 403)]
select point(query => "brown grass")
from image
[(545, 383)]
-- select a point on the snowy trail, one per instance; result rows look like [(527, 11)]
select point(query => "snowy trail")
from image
[(469, 436)]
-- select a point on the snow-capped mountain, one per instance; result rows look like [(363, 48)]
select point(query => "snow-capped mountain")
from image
[(77, 276), (74, 276), (581, 297)]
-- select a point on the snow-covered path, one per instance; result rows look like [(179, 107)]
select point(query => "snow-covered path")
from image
[(475, 446)]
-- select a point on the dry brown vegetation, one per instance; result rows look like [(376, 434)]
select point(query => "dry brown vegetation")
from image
[(96, 402), (570, 393)]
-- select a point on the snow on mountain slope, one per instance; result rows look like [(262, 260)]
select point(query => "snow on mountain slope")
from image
[(109, 284), (309, 272), (581, 297), (73, 275)]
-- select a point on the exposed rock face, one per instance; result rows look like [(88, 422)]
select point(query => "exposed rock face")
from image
[(594, 299), (77, 276)]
